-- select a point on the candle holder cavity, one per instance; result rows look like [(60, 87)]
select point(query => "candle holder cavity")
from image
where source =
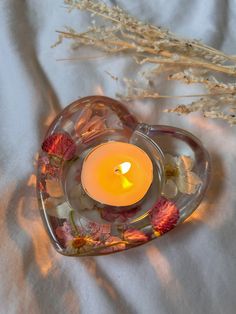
[(80, 226)]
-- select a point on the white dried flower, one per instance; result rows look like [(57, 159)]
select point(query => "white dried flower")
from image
[(179, 176)]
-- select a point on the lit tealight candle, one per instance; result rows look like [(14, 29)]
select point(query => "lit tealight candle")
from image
[(117, 174)]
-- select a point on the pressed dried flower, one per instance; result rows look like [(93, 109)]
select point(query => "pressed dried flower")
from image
[(98, 231), (179, 176), (135, 236), (78, 242), (108, 214), (164, 216), (57, 207), (85, 202), (48, 167), (113, 244), (83, 119), (64, 232), (54, 188)]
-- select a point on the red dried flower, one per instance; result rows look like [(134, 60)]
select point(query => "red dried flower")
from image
[(164, 216), (60, 144)]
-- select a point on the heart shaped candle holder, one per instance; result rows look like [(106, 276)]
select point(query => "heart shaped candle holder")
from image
[(78, 224)]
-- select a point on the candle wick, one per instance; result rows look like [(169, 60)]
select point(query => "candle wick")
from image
[(117, 171)]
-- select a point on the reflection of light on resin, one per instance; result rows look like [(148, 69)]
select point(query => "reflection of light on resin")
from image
[(99, 90)]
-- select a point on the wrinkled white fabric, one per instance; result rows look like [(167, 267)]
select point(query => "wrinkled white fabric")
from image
[(189, 270)]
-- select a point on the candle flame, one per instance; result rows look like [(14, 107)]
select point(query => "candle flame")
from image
[(123, 168)]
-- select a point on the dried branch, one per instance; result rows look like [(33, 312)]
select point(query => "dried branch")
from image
[(188, 61)]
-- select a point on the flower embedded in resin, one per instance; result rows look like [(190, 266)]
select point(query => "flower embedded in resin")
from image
[(180, 176)]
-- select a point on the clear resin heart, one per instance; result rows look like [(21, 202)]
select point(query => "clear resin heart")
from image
[(79, 225)]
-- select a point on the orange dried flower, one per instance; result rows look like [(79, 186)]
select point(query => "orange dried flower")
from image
[(78, 242)]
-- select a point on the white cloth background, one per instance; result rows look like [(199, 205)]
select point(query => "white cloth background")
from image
[(191, 269)]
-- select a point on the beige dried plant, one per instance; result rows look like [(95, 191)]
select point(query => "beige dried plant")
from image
[(165, 55)]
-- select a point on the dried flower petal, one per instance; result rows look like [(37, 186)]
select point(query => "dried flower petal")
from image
[(170, 189), (95, 123), (164, 216), (56, 208), (98, 231), (185, 163), (91, 135), (54, 188), (59, 144), (189, 183), (135, 236), (114, 244), (62, 210), (85, 202), (83, 119), (78, 242), (169, 159), (48, 168), (108, 214), (64, 232), (179, 176)]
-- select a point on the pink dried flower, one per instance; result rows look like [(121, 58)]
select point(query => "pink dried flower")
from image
[(114, 244), (108, 214), (164, 216), (83, 119), (64, 232), (92, 135), (89, 127), (99, 232)]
